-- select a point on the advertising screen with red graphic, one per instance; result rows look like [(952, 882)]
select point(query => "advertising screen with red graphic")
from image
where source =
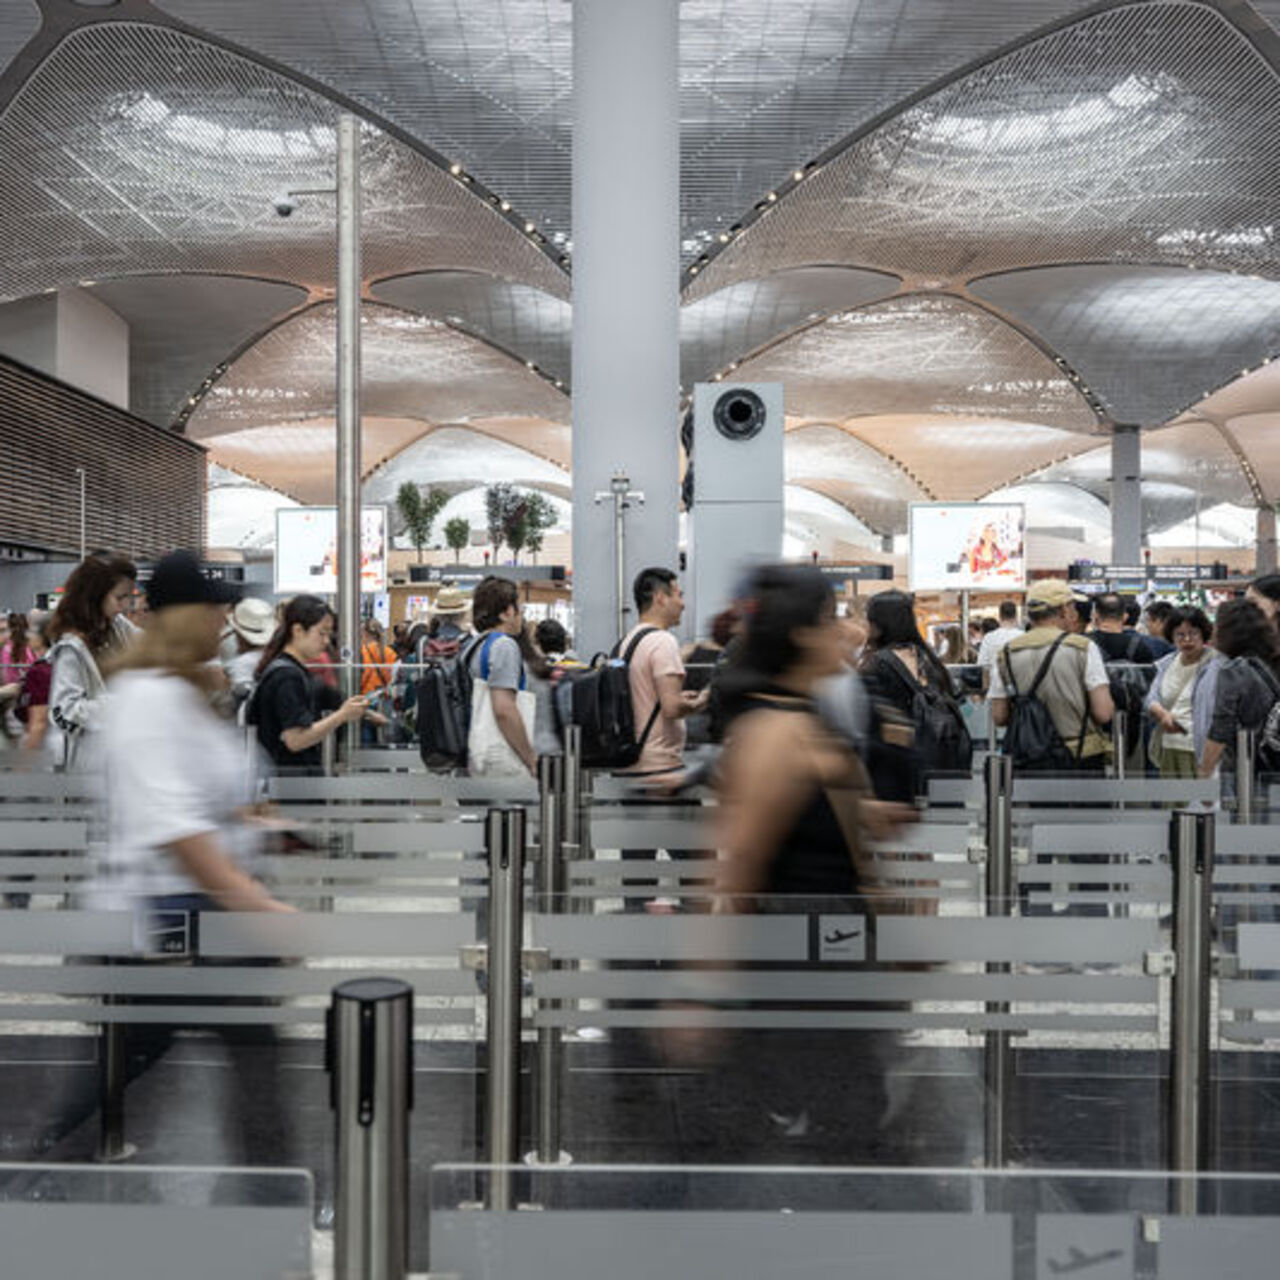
[(968, 546)]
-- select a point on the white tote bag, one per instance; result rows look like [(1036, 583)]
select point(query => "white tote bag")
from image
[(488, 752)]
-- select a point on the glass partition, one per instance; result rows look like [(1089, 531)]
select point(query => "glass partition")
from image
[(152, 1223), (928, 1224)]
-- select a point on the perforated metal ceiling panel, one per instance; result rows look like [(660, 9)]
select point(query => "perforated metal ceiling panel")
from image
[(1148, 341), (182, 327), (961, 460), (732, 323), (766, 85), (19, 21), (1180, 466), (134, 149), (297, 458), (919, 355), (457, 457), (412, 368), (1149, 133), (527, 322), (832, 462)]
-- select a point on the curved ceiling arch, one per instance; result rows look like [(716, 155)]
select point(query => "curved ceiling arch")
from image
[(1146, 132), (135, 148), (412, 367), (1147, 340), (917, 354)]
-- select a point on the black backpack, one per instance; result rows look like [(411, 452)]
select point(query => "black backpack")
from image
[(1031, 738), (941, 739), (1268, 757), (1129, 685), (598, 701), (443, 720)]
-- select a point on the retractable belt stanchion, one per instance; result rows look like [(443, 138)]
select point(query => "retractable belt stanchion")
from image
[(113, 1045), (1246, 773), (550, 885), (369, 1055), (1119, 744), (997, 1055), (505, 839), (572, 814), (1190, 1089)]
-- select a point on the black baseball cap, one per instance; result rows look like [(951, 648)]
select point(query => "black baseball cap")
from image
[(178, 579)]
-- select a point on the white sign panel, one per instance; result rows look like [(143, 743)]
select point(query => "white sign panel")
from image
[(307, 550), (968, 546)]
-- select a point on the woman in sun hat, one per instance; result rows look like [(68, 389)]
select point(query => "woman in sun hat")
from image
[(252, 623)]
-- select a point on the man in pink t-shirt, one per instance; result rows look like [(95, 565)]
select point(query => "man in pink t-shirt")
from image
[(657, 674), (659, 701)]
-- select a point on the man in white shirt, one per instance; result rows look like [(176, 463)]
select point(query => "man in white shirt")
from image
[(994, 641)]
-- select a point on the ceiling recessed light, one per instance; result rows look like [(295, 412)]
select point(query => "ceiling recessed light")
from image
[(96, 4)]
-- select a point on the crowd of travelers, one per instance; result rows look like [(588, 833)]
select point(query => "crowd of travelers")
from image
[(816, 733)]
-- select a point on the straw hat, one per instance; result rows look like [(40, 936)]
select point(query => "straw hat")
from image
[(253, 621), (450, 600)]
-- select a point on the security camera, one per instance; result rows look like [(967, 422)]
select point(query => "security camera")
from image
[(284, 204)]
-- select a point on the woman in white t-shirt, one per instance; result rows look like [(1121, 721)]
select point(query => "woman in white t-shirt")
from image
[(1182, 696), (180, 840)]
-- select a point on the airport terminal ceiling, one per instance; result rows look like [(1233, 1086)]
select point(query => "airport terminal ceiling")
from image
[(970, 238)]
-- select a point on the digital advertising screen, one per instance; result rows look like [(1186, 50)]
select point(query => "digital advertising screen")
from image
[(307, 550), (968, 546)]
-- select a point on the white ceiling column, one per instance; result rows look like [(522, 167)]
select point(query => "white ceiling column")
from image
[(626, 295), (1126, 494), (1266, 556)]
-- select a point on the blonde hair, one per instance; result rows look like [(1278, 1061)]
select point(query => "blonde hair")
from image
[(178, 639)]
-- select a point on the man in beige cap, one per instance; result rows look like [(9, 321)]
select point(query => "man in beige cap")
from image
[(1063, 671)]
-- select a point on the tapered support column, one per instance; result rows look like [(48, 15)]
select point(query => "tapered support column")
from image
[(626, 294), (1126, 495), (1266, 562)]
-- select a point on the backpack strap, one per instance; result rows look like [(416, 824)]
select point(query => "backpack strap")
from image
[(657, 702), (1134, 641)]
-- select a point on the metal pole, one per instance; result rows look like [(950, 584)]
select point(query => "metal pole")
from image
[(1246, 769), (964, 624), (83, 540), (1119, 744), (348, 398), (112, 1146), (571, 818), (997, 1055), (505, 833), (1190, 1084), (550, 888), (369, 1055)]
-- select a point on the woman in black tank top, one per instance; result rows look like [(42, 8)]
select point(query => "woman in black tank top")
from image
[(796, 803)]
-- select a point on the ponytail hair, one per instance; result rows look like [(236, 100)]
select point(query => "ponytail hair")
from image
[(302, 611)]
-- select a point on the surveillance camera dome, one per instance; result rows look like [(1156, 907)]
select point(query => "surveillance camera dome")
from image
[(284, 205)]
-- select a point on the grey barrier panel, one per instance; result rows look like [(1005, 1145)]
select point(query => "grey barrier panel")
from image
[(209, 1016), (1258, 946), (1070, 940), (965, 791), (154, 1241), (869, 985), (188, 980), (1114, 790), (947, 839), (1225, 1248), (1145, 839), (42, 835), (381, 786), (1250, 993), (107, 933), (634, 1245), (639, 832), (727, 938), (1247, 842), (1100, 1246), (225, 933), (379, 758), (1055, 873), (419, 837), (70, 864), (1027, 819), (346, 814), (285, 867), (47, 786)]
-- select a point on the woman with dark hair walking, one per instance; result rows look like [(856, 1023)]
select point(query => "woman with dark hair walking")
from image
[(907, 683), (291, 710), (1248, 679), (87, 627)]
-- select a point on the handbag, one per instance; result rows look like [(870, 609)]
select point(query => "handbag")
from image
[(488, 751)]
